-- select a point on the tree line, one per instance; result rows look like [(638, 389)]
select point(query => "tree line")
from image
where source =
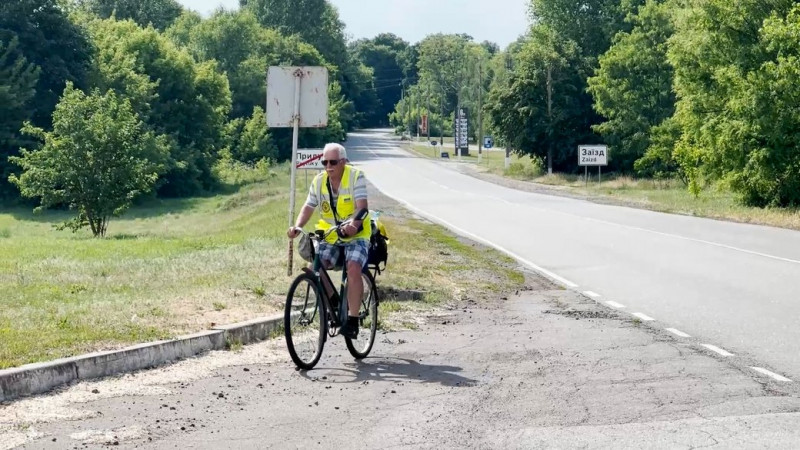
[(705, 91), (103, 101)]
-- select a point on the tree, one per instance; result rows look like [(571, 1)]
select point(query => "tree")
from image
[(17, 88), (386, 55), (314, 21), (158, 13), (590, 24), (252, 140), (449, 73), (771, 172), (50, 41), (490, 47), (317, 22), (97, 160), (539, 110), (176, 96), (182, 29), (735, 63), (244, 50), (567, 36), (632, 87)]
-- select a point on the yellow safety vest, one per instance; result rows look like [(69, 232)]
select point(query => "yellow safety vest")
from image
[(345, 204)]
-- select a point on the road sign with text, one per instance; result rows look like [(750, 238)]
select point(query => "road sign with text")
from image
[(461, 130), (592, 155), (309, 159)]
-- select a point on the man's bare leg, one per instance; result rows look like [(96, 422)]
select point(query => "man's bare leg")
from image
[(355, 288)]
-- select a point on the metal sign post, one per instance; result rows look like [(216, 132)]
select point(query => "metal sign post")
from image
[(306, 89), (298, 75)]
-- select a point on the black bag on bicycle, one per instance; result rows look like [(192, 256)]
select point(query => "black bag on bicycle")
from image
[(378, 246)]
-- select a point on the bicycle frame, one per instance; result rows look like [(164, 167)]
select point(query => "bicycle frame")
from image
[(318, 270), (337, 318)]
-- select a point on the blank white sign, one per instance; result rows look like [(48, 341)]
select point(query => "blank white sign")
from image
[(313, 96)]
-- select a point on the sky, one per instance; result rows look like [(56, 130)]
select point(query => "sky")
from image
[(498, 21)]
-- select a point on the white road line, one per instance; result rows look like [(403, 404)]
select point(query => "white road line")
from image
[(615, 304), (770, 374), (463, 232), (678, 332), (643, 316), (591, 294), (716, 349)]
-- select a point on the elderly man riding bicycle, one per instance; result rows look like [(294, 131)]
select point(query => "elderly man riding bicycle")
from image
[(340, 193)]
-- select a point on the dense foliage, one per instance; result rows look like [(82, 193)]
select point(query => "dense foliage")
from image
[(702, 90)]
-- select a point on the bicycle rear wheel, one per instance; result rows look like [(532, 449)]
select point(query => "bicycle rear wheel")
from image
[(304, 322), (367, 319)]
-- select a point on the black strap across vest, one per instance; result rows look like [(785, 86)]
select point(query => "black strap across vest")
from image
[(333, 202)]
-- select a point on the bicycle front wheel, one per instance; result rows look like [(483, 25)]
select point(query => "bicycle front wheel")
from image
[(367, 319), (304, 322)]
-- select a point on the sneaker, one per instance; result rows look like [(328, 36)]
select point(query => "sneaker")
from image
[(350, 329)]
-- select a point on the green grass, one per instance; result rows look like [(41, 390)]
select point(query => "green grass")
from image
[(173, 267), (672, 196), (167, 268), (427, 257)]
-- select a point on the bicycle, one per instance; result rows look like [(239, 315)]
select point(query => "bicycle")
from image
[(312, 315)]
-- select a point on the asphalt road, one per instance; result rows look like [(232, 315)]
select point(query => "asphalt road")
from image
[(546, 367), (736, 286)]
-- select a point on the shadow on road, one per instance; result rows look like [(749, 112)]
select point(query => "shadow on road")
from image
[(391, 370)]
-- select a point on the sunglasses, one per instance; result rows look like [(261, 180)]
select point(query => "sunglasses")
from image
[(332, 162)]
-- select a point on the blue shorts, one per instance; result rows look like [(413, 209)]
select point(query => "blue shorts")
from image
[(355, 251)]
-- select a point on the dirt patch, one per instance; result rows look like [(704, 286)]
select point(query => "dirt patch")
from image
[(585, 314), (218, 307)]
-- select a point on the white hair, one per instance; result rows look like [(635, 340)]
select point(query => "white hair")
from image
[(338, 147)]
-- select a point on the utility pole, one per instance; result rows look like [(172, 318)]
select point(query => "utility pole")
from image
[(480, 110), (428, 110), (403, 101), (409, 113), (441, 120), (418, 116), (550, 119)]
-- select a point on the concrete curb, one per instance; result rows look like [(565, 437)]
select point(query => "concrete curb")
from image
[(32, 379)]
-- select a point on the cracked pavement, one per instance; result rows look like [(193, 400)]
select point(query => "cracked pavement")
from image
[(546, 368)]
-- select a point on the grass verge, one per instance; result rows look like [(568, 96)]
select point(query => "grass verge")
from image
[(173, 267)]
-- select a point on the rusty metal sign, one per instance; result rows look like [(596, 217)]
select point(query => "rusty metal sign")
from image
[(313, 96)]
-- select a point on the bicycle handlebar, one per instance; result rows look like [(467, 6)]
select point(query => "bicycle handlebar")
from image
[(319, 235)]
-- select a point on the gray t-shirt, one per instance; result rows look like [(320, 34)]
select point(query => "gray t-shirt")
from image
[(359, 192)]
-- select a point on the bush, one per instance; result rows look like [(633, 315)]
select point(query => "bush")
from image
[(97, 160), (236, 173), (527, 171)]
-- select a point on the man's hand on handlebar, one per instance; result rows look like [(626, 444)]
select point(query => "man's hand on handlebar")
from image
[(348, 229), (345, 229)]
